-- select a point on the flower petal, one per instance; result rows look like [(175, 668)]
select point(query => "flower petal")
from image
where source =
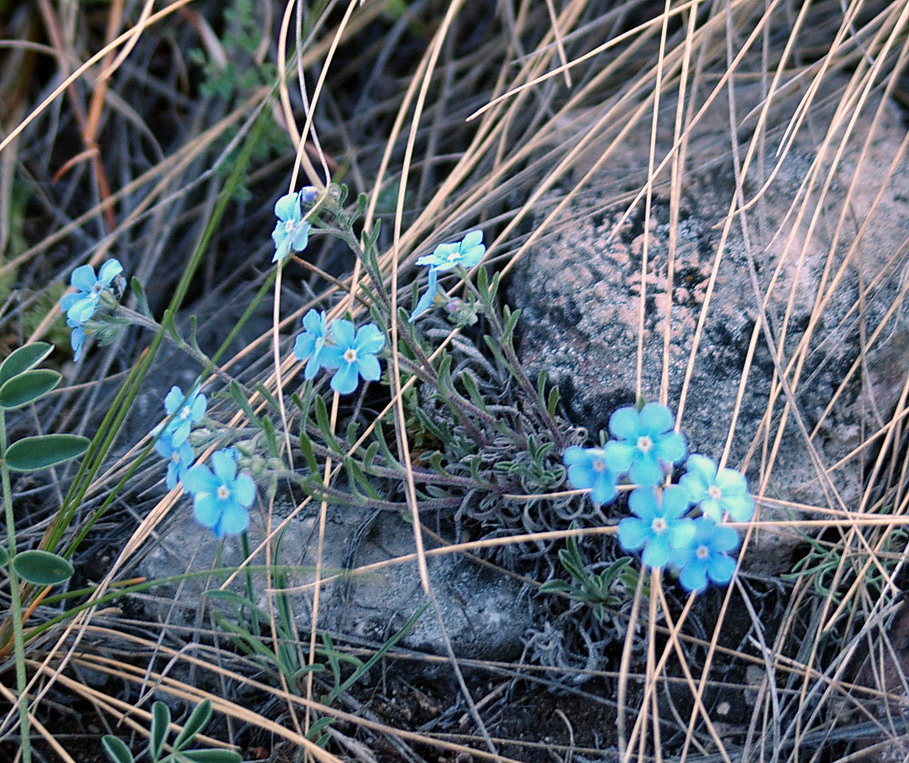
[(315, 323), (676, 501), (694, 576), (300, 237), (234, 519), (332, 357), (200, 480), (173, 400), (731, 482), (304, 346), (225, 466), (625, 424), (633, 533), (694, 483), (671, 448), (645, 470), (83, 278), (287, 207), (701, 467), (643, 502), (619, 456), (604, 490), (655, 418), (740, 507), (82, 309), (244, 489), (345, 379), (721, 568), (369, 368), (342, 332), (109, 271), (206, 509), (369, 339), (657, 552)]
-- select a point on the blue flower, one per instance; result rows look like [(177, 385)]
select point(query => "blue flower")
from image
[(291, 232), (717, 491), (186, 411), (311, 342), (220, 497), (81, 305), (466, 253), (77, 338), (179, 458), (659, 526), (646, 446), (353, 356), (587, 469), (706, 556)]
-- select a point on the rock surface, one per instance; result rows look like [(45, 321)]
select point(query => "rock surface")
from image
[(826, 283), (483, 614)]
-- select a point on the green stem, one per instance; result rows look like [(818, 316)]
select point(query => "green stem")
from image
[(15, 603)]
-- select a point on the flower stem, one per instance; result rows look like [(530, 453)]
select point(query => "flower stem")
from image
[(15, 602)]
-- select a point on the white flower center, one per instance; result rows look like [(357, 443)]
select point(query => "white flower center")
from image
[(175, 457), (658, 525), (289, 226), (350, 355), (644, 444), (223, 493), (453, 257), (702, 553), (185, 412), (714, 492), (598, 465)]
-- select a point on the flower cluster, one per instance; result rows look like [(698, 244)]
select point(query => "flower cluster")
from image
[(644, 450), (348, 351), (82, 304), (220, 496), (465, 253)]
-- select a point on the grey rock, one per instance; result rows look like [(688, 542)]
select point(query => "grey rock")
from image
[(826, 291), (482, 612)]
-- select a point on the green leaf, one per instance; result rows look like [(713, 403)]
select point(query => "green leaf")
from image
[(160, 728), (194, 724), (141, 299), (4, 556), (210, 755), (42, 567), (33, 453), (555, 586), (319, 726), (116, 750), (27, 387), (23, 358)]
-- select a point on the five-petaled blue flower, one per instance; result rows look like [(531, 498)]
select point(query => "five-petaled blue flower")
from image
[(465, 253), (353, 355), (220, 496), (186, 411), (646, 443), (81, 305), (311, 343), (717, 491), (587, 469), (179, 458), (706, 556), (291, 232), (659, 526)]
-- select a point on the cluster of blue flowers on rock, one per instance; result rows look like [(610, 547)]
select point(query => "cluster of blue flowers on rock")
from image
[(221, 495), (645, 449), (82, 304)]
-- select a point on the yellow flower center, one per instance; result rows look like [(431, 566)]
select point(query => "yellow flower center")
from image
[(223, 493), (644, 444)]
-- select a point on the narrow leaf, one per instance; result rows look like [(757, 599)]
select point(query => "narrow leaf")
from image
[(160, 728), (42, 567), (197, 721), (116, 750), (27, 387), (33, 453), (4, 556), (23, 358), (210, 755)]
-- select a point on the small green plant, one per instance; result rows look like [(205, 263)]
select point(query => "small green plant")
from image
[(22, 384), (609, 588), (118, 752)]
